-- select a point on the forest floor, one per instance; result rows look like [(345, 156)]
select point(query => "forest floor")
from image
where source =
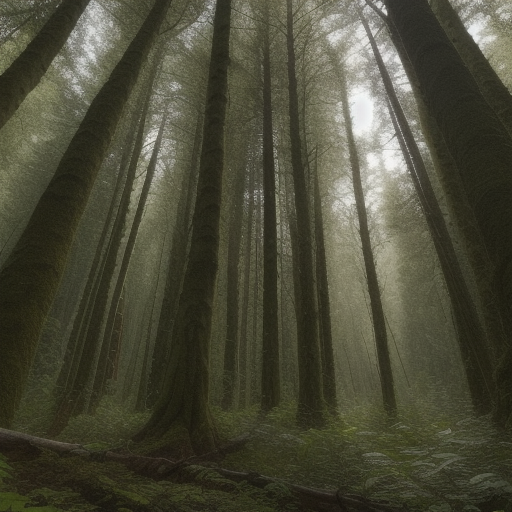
[(424, 460)]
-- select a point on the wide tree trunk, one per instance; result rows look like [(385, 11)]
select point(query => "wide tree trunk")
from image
[(270, 377), (30, 277), (23, 75), (378, 319), (480, 146), (489, 83), (470, 333), (311, 406), (182, 411)]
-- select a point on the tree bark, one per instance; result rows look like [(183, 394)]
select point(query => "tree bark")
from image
[(25, 73), (270, 377), (30, 277), (489, 83), (183, 406)]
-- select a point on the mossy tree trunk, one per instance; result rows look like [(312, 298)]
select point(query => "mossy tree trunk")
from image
[(311, 406), (182, 412), (270, 377), (30, 277), (480, 146), (23, 75)]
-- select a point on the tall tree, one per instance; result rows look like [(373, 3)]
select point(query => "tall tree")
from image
[(481, 148), (489, 83), (378, 319), (108, 344), (30, 276), (182, 411), (470, 333), (270, 378), (324, 304), (26, 71), (311, 407)]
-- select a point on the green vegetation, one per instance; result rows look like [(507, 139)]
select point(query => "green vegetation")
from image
[(426, 460)]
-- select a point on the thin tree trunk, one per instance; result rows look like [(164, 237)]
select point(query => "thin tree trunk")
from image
[(183, 407), (270, 377), (324, 304), (245, 353), (470, 334), (107, 347), (25, 73), (142, 392), (231, 346), (30, 277), (379, 322), (311, 407)]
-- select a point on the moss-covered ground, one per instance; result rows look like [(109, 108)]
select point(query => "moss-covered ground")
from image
[(423, 460)]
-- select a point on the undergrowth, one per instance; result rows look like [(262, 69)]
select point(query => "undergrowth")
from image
[(429, 458)]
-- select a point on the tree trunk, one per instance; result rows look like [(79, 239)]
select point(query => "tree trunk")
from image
[(30, 277), (311, 407), (270, 377), (379, 322), (183, 406), (324, 304), (108, 344), (232, 296), (176, 270), (245, 352), (23, 75), (470, 333), (70, 398), (489, 83), (480, 146)]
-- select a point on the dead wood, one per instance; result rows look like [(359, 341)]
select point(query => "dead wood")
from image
[(17, 445)]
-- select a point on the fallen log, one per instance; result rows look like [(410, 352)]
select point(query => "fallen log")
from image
[(15, 443)]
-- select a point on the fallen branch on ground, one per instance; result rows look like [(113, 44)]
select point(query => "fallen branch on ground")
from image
[(19, 446)]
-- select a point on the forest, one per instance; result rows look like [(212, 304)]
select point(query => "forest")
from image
[(255, 255)]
